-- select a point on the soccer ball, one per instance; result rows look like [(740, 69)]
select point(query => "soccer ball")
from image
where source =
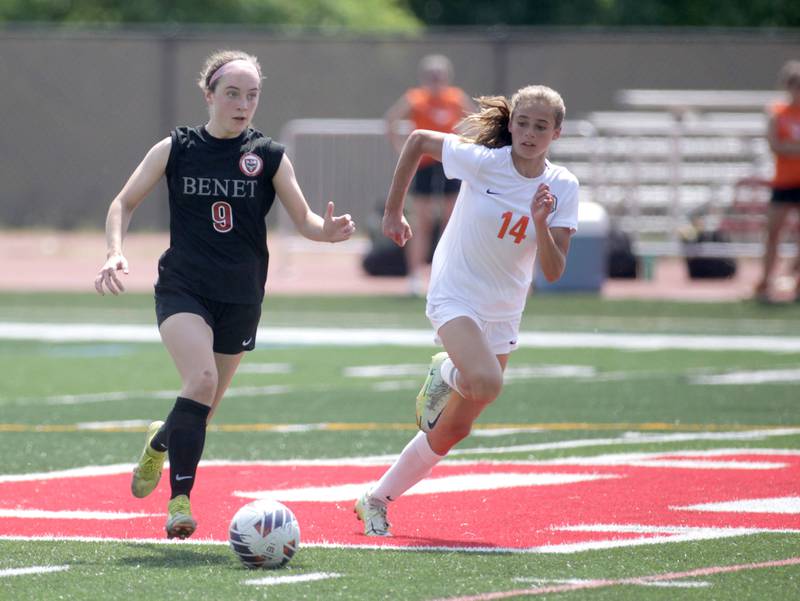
[(264, 534)]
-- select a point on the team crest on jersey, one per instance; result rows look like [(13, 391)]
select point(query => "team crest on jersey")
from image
[(251, 164)]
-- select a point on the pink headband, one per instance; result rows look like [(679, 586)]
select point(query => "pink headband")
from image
[(226, 67)]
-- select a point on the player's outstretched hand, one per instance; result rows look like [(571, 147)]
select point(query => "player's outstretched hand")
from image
[(396, 228), (337, 228), (107, 276), (543, 204)]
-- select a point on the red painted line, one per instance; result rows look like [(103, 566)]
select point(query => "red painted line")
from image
[(634, 508), (592, 584)]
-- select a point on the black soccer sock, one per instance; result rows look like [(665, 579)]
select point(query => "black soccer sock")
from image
[(185, 433), (160, 442)]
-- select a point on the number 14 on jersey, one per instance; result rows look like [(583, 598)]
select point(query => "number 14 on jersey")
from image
[(517, 230)]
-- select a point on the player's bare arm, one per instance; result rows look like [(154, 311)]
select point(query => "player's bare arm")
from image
[(139, 185), (328, 228), (420, 142), (552, 243)]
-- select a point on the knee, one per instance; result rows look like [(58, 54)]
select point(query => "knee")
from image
[(202, 385), (483, 386)]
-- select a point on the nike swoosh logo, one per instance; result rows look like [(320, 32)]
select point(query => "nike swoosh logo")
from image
[(490, 191), (179, 478), (246, 342), (432, 424)]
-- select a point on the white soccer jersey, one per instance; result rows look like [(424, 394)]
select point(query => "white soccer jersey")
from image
[(486, 254)]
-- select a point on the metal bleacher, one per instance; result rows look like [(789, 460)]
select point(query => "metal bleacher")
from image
[(718, 161), (665, 160), (655, 172)]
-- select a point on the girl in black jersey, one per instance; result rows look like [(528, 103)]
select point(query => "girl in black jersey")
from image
[(222, 180)]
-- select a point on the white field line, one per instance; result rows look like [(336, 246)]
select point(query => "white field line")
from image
[(514, 372), (32, 570), (394, 385), (71, 515), (497, 432), (124, 424), (77, 472), (460, 483), (699, 534), (690, 464), (572, 372), (104, 397), (522, 372), (770, 505), (664, 584), (96, 397), (677, 584), (665, 529), (638, 580), (385, 371), (639, 438), (101, 539), (707, 534), (737, 451), (741, 378), (599, 460), (271, 580), (529, 372), (82, 332)]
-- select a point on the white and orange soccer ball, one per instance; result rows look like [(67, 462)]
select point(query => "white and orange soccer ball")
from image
[(264, 534)]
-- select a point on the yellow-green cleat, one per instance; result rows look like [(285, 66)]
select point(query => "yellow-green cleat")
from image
[(433, 395), (148, 472), (373, 514), (180, 523)]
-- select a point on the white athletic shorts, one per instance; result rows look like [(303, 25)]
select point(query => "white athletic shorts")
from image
[(501, 335)]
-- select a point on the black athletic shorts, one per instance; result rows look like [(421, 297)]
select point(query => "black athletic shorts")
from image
[(234, 324), (430, 181), (786, 195)]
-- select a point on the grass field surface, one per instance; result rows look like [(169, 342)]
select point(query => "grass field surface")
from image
[(639, 450)]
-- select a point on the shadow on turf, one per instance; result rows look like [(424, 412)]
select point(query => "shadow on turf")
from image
[(175, 556), (420, 542), (172, 557)]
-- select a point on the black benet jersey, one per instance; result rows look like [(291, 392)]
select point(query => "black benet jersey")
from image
[(220, 191)]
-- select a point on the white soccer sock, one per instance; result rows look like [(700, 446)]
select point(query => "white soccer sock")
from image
[(450, 374), (415, 463)]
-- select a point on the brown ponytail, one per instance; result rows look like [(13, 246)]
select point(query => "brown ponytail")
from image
[(489, 126)]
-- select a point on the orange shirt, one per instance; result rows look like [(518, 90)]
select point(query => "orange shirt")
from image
[(439, 113), (787, 166)]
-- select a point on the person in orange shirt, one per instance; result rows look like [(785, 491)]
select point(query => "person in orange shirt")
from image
[(783, 135), (434, 105)]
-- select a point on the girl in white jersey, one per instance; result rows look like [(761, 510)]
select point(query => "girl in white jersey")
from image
[(513, 205)]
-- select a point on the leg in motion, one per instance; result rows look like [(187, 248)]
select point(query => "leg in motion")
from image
[(189, 341), (478, 377)]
